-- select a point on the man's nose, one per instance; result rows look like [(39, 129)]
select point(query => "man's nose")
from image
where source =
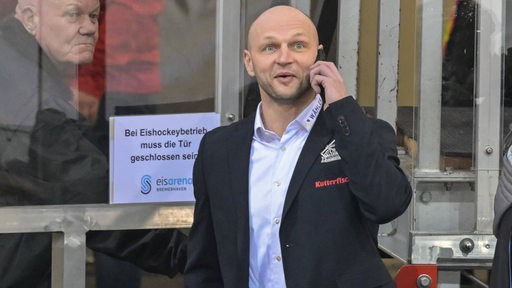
[(284, 55), (88, 26)]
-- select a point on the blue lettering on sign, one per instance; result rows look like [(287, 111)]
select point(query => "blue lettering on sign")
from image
[(173, 181)]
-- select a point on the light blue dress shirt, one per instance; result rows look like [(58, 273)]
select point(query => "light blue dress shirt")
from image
[(272, 163)]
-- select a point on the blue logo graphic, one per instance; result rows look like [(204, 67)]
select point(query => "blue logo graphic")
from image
[(145, 184)]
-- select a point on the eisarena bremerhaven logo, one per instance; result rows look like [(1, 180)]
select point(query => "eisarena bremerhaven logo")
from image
[(145, 184), (164, 184)]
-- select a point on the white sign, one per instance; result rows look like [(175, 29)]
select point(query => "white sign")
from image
[(152, 157)]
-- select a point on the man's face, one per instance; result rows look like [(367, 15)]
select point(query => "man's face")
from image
[(68, 29), (282, 45)]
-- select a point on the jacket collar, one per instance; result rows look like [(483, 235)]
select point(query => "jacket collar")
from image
[(238, 163), (318, 138), (240, 148)]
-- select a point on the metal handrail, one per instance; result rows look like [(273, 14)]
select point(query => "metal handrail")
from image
[(70, 223)]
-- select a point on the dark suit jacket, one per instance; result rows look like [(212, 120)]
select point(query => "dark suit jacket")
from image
[(502, 227), (500, 276), (328, 231)]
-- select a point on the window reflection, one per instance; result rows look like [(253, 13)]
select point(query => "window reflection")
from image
[(49, 154), (151, 58)]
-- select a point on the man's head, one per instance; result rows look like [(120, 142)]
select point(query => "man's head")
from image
[(282, 44), (67, 30)]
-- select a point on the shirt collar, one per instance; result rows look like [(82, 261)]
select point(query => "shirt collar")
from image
[(305, 120)]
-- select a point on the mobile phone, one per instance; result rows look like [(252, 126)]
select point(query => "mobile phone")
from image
[(320, 56)]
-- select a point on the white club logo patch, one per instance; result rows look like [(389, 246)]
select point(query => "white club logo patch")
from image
[(330, 154)]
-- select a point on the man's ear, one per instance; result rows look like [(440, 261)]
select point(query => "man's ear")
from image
[(28, 17), (248, 63)]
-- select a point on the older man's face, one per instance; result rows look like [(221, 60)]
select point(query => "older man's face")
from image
[(68, 29)]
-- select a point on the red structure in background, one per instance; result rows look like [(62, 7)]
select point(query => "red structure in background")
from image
[(421, 276)]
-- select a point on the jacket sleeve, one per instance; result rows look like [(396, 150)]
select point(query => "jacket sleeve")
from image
[(368, 148), (161, 251), (63, 166), (503, 197), (202, 269)]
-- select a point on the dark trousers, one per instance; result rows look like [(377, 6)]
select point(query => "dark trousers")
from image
[(115, 273)]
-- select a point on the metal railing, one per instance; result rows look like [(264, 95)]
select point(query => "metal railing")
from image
[(70, 223)]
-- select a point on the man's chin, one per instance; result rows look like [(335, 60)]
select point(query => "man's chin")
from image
[(295, 96), (83, 58)]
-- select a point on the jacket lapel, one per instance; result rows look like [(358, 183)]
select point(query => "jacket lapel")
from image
[(317, 140), (238, 163)]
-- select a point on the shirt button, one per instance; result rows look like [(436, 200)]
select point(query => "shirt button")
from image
[(278, 258), (283, 148), (277, 220), (277, 183)]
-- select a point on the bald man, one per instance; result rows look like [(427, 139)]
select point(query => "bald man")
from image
[(293, 195)]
